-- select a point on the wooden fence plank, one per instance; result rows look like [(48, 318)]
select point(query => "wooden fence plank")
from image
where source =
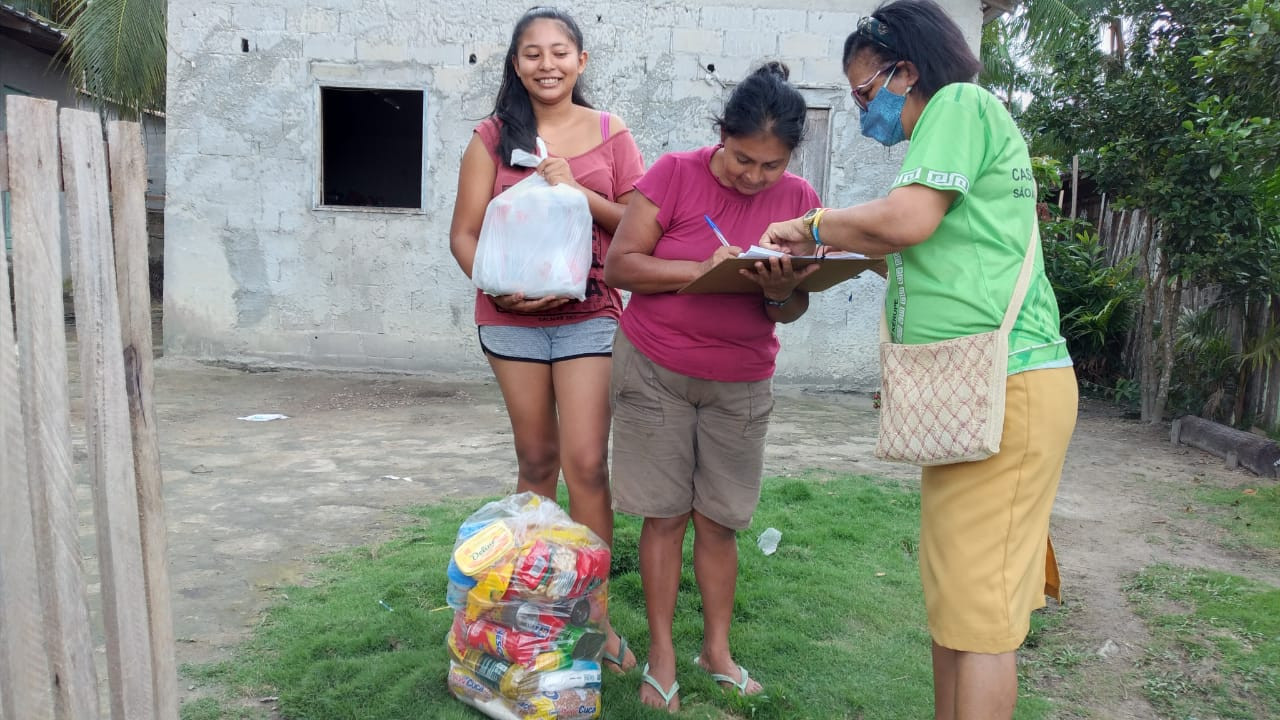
[(4, 161), (37, 259), (129, 221), (26, 686), (124, 608)]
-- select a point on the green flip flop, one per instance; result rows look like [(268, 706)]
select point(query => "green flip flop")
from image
[(667, 695), (741, 684), (608, 657)]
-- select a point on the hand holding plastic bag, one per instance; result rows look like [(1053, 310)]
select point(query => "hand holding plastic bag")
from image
[(536, 238)]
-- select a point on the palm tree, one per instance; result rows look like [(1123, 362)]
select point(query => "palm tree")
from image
[(1001, 53), (115, 49), (1052, 25)]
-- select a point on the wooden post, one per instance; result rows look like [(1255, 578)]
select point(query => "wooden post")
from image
[(124, 609), (129, 221), (26, 686), (1075, 183), (37, 259), (4, 161)]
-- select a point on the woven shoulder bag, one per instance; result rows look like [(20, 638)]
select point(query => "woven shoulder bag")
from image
[(943, 402)]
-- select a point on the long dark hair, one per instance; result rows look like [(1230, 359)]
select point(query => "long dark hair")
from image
[(765, 102), (513, 107), (919, 31)]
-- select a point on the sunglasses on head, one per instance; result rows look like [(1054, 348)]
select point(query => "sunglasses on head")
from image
[(876, 31)]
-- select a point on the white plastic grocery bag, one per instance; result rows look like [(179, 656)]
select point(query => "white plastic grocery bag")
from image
[(536, 238)]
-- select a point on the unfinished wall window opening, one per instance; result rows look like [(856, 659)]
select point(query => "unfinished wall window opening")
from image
[(372, 148)]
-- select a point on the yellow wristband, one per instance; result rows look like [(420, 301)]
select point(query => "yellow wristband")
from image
[(813, 228)]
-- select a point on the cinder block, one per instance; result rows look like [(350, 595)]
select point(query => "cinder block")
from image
[(202, 15), (727, 18), (825, 71), (438, 54), (453, 81), (685, 40), (687, 89), (656, 40), (329, 49), (317, 21), (731, 69), (780, 21), (802, 45), (259, 16), (381, 52), (751, 43), (674, 16), (220, 140), (273, 44), (835, 24), (329, 344), (380, 345)]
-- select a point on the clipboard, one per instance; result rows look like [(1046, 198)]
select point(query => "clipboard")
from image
[(835, 269)]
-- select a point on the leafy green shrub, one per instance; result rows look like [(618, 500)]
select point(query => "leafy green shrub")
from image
[(1204, 368), (1209, 374), (1097, 300), (1048, 174)]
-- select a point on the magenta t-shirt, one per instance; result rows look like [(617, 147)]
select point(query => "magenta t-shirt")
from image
[(725, 337), (610, 169)]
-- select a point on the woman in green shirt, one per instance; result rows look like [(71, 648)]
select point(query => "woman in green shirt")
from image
[(955, 228)]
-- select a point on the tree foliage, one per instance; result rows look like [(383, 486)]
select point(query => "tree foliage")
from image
[(1181, 125), (1098, 299), (1177, 113), (115, 49)]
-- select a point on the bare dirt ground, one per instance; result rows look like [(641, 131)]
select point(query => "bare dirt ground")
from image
[(251, 505)]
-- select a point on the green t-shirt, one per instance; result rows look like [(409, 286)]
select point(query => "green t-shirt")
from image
[(959, 281)]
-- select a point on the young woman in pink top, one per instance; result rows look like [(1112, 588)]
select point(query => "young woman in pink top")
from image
[(551, 355), (692, 374)]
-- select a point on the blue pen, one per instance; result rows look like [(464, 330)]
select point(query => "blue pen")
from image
[(716, 230)]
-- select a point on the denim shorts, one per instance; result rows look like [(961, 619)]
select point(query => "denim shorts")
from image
[(589, 338)]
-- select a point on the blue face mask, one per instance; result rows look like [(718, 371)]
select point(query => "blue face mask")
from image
[(882, 120)]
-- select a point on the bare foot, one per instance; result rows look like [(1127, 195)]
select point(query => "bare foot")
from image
[(659, 689), (731, 676)]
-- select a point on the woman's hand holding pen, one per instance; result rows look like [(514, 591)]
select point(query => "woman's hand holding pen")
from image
[(722, 253)]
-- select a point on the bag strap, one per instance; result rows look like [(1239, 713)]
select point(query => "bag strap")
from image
[(1019, 289), (1024, 280)]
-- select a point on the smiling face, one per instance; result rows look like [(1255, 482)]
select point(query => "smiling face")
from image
[(752, 163), (548, 61)]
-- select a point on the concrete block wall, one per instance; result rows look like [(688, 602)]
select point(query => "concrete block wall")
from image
[(257, 271)]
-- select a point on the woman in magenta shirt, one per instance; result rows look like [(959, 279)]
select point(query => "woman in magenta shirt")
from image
[(692, 374)]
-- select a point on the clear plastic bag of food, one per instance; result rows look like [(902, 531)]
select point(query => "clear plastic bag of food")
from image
[(527, 585), (536, 238), (568, 704)]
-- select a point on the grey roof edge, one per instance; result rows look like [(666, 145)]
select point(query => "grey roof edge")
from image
[(50, 32)]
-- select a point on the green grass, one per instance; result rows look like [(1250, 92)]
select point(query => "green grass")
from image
[(1216, 643), (832, 624), (1253, 518)]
